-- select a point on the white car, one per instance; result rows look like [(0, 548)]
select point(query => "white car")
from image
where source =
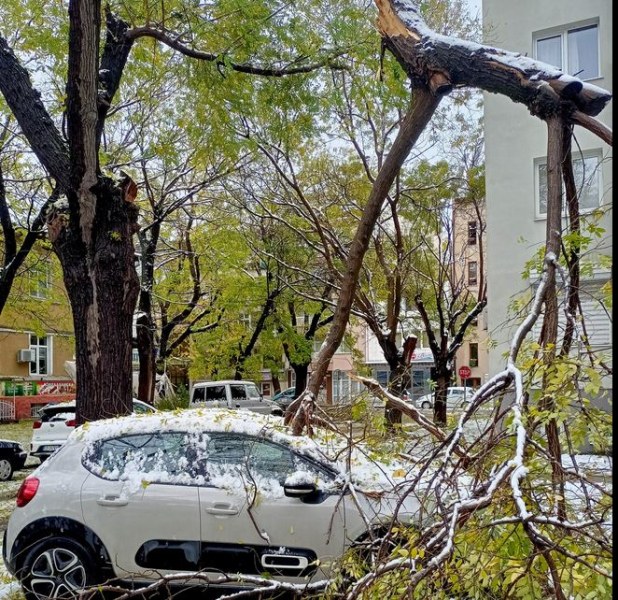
[(456, 397), (210, 490), (57, 421)]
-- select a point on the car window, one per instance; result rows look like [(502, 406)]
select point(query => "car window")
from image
[(63, 416), (215, 392), (260, 461), (238, 391), (252, 391), (142, 408), (170, 457), (57, 413)]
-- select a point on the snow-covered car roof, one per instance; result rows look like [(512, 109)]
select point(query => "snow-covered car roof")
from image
[(326, 447)]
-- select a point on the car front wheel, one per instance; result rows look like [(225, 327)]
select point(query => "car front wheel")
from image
[(6, 469), (426, 404), (58, 567)]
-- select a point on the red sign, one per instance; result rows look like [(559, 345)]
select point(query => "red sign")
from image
[(464, 372)]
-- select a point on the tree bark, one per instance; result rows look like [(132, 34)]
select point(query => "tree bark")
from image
[(549, 330), (102, 287)]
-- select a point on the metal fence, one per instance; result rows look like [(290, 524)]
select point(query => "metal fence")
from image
[(7, 410)]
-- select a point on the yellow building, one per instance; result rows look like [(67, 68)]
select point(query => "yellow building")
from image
[(36, 338)]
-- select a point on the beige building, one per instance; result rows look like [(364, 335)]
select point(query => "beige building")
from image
[(577, 37), (469, 239), (35, 341)]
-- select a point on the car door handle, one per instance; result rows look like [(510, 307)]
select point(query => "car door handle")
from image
[(222, 508), (112, 501)]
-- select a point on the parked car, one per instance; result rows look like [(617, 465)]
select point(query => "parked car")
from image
[(285, 397), (456, 397), (56, 422), (96, 505), (12, 458), (233, 394)]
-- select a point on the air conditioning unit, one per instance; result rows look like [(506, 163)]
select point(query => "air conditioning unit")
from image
[(26, 355)]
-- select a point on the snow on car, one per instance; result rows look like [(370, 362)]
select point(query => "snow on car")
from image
[(210, 490)]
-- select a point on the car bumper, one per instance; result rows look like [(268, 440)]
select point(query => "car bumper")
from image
[(20, 460), (10, 567), (44, 450)]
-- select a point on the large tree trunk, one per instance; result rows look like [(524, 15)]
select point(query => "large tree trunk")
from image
[(102, 285), (302, 374)]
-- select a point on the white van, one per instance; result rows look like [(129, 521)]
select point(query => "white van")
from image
[(231, 393)]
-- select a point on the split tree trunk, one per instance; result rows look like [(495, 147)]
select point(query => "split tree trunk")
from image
[(102, 286)]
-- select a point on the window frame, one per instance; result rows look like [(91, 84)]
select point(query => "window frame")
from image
[(473, 233), (473, 280), (39, 280), (49, 365), (563, 33), (473, 361), (580, 156)]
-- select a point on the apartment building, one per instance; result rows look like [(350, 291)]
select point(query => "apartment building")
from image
[(577, 37), (35, 341), (469, 260)]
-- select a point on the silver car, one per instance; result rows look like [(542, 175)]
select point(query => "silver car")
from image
[(210, 490), (456, 397)]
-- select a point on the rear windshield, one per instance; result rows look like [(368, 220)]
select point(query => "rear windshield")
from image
[(55, 413)]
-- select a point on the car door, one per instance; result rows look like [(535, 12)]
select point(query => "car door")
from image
[(141, 498), (456, 397), (248, 522), (247, 396)]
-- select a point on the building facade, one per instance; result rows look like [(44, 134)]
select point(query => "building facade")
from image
[(469, 260), (36, 340), (576, 37)]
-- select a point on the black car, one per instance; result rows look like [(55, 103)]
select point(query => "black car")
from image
[(12, 458)]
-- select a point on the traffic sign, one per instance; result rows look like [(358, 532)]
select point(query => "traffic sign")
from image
[(464, 372)]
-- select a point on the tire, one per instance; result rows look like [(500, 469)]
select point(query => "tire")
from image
[(58, 567), (6, 469), (426, 404)]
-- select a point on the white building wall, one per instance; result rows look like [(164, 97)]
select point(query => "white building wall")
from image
[(514, 139)]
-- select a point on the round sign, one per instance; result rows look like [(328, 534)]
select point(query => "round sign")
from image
[(464, 372)]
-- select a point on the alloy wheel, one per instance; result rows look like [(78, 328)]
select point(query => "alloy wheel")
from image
[(6, 469), (57, 573)]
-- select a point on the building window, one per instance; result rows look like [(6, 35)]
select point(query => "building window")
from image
[(587, 172), (573, 50), (472, 233), (474, 354), (42, 349), (38, 280), (472, 272)]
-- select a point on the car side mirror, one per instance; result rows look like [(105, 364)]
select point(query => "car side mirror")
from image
[(299, 490)]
